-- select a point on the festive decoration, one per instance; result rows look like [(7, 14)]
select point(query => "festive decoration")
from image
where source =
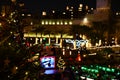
[(78, 57), (61, 63)]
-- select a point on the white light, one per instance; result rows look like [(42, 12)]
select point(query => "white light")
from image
[(44, 13), (26, 73), (50, 22), (53, 11), (67, 8), (91, 8), (70, 23), (53, 23), (23, 14), (46, 22), (64, 13), (16, 67), (58, 23), (9, 43), (42, 22), (31, 23), (29, 15), (14, 21), (81, 5), (63, 51), (66, 23), (70, 52), (61, 23), (85, 19)]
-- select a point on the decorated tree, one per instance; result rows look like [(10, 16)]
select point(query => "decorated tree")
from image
[(61, 63)]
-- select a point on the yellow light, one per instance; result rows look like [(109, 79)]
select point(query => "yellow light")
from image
[(53, 11), (67, 8), (13, 0), (61, 23), (65, 23), (26, 73), (0, 24), (16, 67), (70, 23), (64, 13), (50, 22), (81, 5), (46, 22), (57, 23), (53, 23), (86, 7), (44, 13), (42, 22), (91, 8), (23, 14)]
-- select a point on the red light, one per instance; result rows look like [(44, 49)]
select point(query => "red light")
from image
[(33, 52)]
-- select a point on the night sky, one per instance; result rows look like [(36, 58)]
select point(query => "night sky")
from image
[(55, 4), (38, 5)]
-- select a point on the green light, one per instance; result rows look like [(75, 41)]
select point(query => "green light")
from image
[(92, 70), (44, 38), (113, 70), (108, 69), (96, 71), (73, 67), (103, 68), (88, 69)]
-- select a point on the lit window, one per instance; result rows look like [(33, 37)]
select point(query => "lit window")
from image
[(86, 7), (57, 22), (14, 21), (71, 12), (44, 13), (67, 8), (72, 7), (64, 13), (31, 23), (42, 22), (65, 23), (81, 5), (50, 22), (91, 8), (79, 9), (23, 14), (117, 13), (61, 23), (29, 15), (53, 11), (53, 23), (70, 23), (46, 22)]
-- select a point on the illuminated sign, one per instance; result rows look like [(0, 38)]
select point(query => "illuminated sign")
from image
[(78, 42), (48, 62)]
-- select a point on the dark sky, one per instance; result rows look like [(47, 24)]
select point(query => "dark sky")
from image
[(38, 5), (55, 4)]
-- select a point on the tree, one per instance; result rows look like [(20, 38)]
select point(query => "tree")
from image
[(100, 29), (61, 63)]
